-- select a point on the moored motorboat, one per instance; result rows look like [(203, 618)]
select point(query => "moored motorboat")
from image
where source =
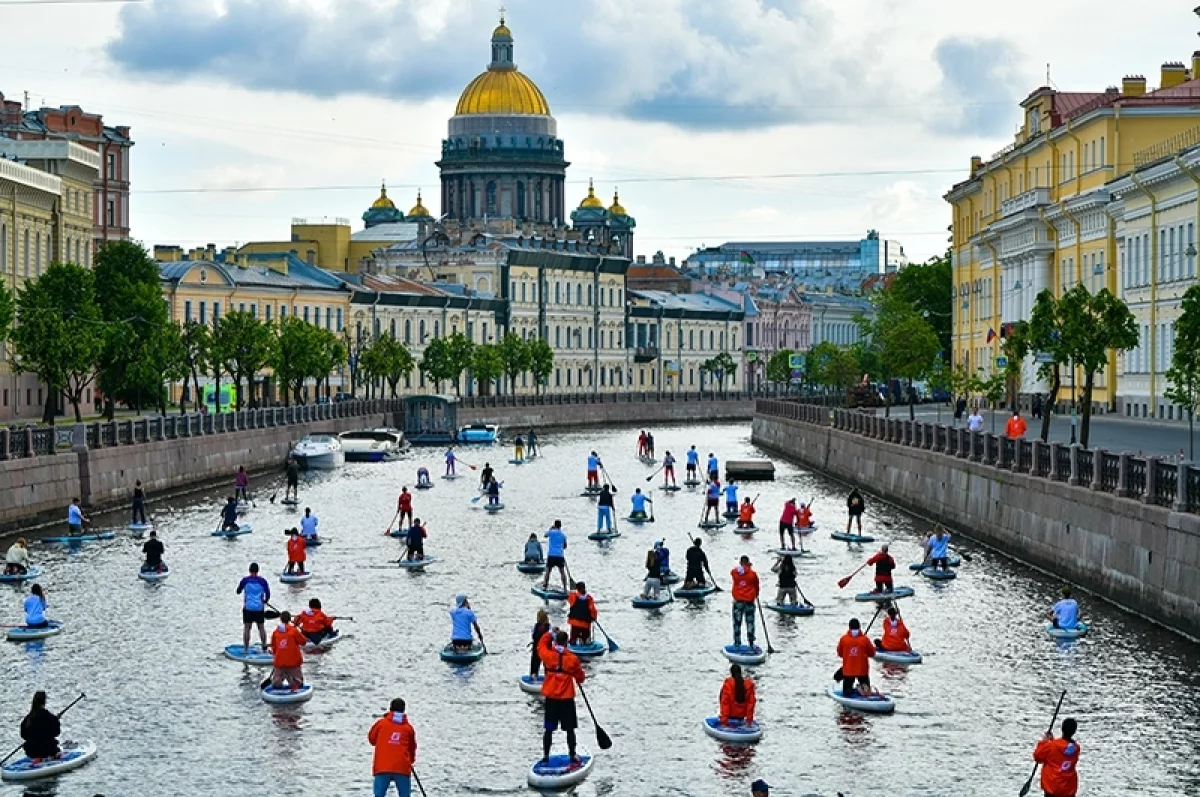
[(371, 445), (483, 433), (319, 452)]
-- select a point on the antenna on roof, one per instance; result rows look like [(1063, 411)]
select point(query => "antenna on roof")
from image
[(1049, 82)]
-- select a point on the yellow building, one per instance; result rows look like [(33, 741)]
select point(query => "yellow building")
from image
[(1034, 215)]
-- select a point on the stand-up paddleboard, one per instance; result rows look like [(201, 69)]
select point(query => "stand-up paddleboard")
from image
[(547, 593), (243, 508), (804, 531), (316, 542), (139, 529), (154, 575), (897, 656), (745, 529), (875, 704), (898, 592), (648, 460), (295, 578), (711, 524), (73, 756), (516, 462), (729, 515), (531, 567), (603, 536), (531, 685), (842, 536), (697, 594), (325, 644), (253, 655), (23, 633), (397, 533), (290, 502), (691, 482), (559, 772), (650, 603), (637, 520), (590, 492), (589, 650), (934, 574), (670, 488), (421, 486), (793, 609), (286, 696), (30, 574), (735, 731), (78, 538), (672, 578), (455, 656), (243, 528), (494, 507), (744, 654), (416, 564), (792, 552), (954, 561), (451, 476), (1079, 630)]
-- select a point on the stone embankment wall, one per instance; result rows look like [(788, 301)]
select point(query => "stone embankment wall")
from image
[(1138, 554)]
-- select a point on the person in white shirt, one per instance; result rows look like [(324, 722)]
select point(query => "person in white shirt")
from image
[(975, 421), (308, 525), (75, 518), (16, 562)]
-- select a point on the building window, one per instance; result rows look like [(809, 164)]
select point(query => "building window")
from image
[(557, 293), (437, 329), (339, 319), (407, 327), (187, 310), (490, 200), (306, 314), (254, 310), (268, 309), (216, 312), (421, 329), (112, 166), (110, 213), (3, 248), (282, 311), (203, 312), (579, 294)]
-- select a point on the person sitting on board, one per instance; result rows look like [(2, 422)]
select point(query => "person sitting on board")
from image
[(731, 498), (462, 621), (229, 515), (485, 476), (604, 509), (16, 561), (804, 518), (1065, 613), (35, 608), (531, 443), (533, 551), (556, 554), (856, 651), (314, 623), (745, 518), (256, 593), (712, 498), (414, 539), (519, 449), (641, 448), (639, 501), (75, 519), (787, 521), (693, 465), (737, 699), (493, 493), (669, 470), (40, 729), (451, 459), (287, 648), (153, 551), (581, 615), (395, 744), (714, 469), (664, 560), (745, 597), (563, 671), (308, 525), (404, 507), (292, 469), (593, 471), (241, 483), (649, 445), (785, 566), (423, 476), (884, 565), (937, 549), (139, 504), (652, 586), (1059, 759), (895, 633), (855, 506), (697, 564), (297, 552), (541, 627)]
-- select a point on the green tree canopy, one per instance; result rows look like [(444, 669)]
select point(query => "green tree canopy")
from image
[(541, 361), (904, 341), (297, 355), (487, 365), (1092, 326), (928, 289), (247, 345), (719, 367), (1184, 374), (389, 359), (196, 339), (436, 362), (779, 367), (461, 352), (516, 356), (8, 311)]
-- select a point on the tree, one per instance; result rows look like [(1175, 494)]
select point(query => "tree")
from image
[(165, 361), (296, 356), (435, 362), (354, 346), (779, 367), (487, 365), (389, 359), (8, 312), (541, 361), (1045, 341), (514, 352), (460, 352), (196, 340), (328, 355), (992, 388), (928, 288), (719, 367), (247, 345), (1184, 374), (218, 359), (59, 337), (906, 344), (1092, 326)]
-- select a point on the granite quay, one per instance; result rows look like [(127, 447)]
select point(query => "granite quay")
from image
[(1122, 526)]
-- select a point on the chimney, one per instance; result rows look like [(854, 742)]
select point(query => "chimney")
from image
[(672, 261), (1196, 64), (641, 259), (1173, 73), (1133, 85), (976, 164)]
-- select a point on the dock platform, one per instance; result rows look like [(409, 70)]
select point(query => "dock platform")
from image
[(750, 470)]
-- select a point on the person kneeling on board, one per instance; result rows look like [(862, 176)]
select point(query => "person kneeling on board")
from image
[(639, 502), (895, 633), (737, 698), (581, 614), (287, 643), (16, 561), (745, 518), (856, 652), (423, 476), (1065, 613), (533, 551), (314, 623), (153, 551), (462, 621), (40, 729)]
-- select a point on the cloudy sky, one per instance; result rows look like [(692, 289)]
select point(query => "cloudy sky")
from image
[(741, 119)]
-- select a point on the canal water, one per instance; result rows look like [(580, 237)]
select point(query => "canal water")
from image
[(172, 716)]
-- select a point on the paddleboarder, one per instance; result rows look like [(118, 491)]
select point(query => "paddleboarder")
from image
[(40, 729), (531, 443), (855, 506), (153, 551), (650, 445), (414, 540), (760, 788), (895, 633), (737, 698), (593, 471), (745, 595), (641, 445), (804, 518), (787, 521), (581, 615), (255, 592), (485, 476), (693, 465), (541, 627), (493, 493), (308, 525), (731, 498), (856, 651), (296, 551), (664, 560), (745, 519), (714, 469), (604, 509), (697, 565), (639, 501), (884, 565), (75, 519), (16, 561), (139, 503), (35, 608), (314, 623), (1059, 759), (937, 549), (241, 484), (423, 477), (712, 498), (462, 621), (785, 566), (451, 460), (229, 515), (563, 671), (292, 470), (533, 551), (1065, 613), (404, 508), (395, 743), (556, 554), (287, 647), (669, 470), (652, 586)]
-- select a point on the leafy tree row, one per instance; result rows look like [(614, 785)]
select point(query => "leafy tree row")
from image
[(446, 359)]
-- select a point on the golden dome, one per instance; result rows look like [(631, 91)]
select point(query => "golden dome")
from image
[(419, 211), (502, 91), (383, 201), (591, 200), (501, 31), (616, 208)]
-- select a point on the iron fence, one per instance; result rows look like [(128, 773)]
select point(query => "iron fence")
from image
[(1084, 460), (1135, 479), (1110, 472), (1165, 478), (1063, 464)]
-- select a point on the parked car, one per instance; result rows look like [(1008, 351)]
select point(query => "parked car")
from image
[(340, 397)]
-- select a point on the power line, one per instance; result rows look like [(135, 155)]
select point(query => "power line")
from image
[(67, 2)]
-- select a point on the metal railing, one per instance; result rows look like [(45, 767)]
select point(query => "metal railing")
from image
[(622, 397)]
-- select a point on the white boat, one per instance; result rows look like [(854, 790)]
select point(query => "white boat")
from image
[(372, 445), (319, 452)]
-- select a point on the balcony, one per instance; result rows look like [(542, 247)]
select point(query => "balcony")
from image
[(645, 354), (1021, 202)]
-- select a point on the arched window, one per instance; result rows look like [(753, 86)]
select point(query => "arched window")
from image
[(579, 294), (421, 329), (408, 330), (590, 297)]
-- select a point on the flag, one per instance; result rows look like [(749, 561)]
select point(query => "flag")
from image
[(991, 335), (744, 257)]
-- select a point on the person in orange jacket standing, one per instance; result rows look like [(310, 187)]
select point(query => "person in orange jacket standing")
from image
[(287, 643), (737, 698), (1015, 428), (745, 594), (895, 633), (395, 743), (581, 614), (1059, 759), (563, 671), (296, 548), (856, 651)]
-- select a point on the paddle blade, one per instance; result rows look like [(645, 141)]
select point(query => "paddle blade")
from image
[(602, 740), (613, 647), (844, 581), (837, 674), (1026, 787)]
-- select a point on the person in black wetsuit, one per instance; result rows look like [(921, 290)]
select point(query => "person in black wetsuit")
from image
[(139, 503), (293, 480), (485, 475), (697, 564), (40, 729), (153, 550), (229, 515)]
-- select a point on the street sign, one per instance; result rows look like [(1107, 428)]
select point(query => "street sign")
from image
[(1001, 362), (751, 356), (796, 361), (1042, 358)]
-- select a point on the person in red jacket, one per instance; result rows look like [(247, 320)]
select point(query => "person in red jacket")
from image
[(562, 672), (296, 547), (737, 698), (314, 623), (581, 614), (287, 643), (745, 594), (787, 523), (404, 506), (856, 652), (884, 565), (395, 743), (1059, 759), (895, 633)]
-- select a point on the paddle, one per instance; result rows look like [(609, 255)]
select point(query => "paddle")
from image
[(608, 478), (613, 647), (763, 617), (601, 737), (878, 611), (652, 475), (274, 495), (17, 749), (1029, 783), (418, 780), (388, 530), (651, 509), (843, 582)]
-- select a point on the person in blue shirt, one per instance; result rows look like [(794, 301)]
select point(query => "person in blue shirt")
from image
[(256, 593), (308, 525), (712, 499), (450, 460), (593, 471), (937, 549), (664, 560), (75, 519), (531, 443), (533, 551), (693, 466), (714, 469), (556, 554), (639, 502), (229, 515), (731, 498), (35, 608), (462, 621), (423, 476), (1065, 613)]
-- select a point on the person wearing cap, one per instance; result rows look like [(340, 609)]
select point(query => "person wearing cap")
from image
[(884, 565), (760, 788), (745, 594), (856, 651), (462, 620), (395, 743), (256, 593)]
